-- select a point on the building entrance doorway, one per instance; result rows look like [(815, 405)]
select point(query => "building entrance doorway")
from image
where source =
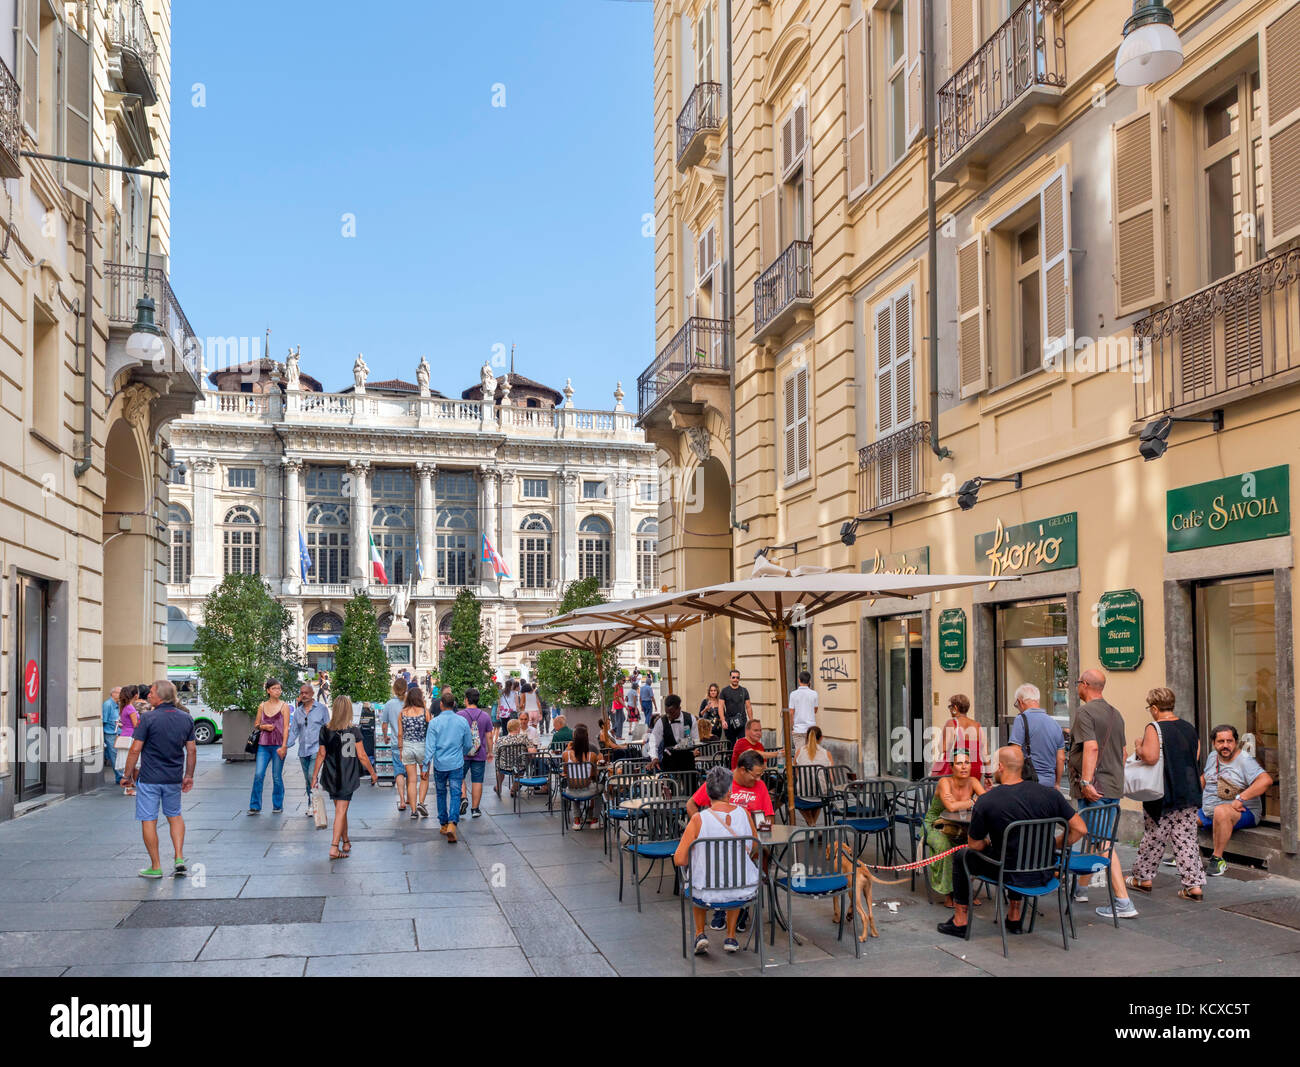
[(29, 725)]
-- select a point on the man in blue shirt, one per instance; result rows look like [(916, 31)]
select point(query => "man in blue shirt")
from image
[(309, 715), (163, 745), (446, 744), (112, 727), (647, 699), (1046, 741)]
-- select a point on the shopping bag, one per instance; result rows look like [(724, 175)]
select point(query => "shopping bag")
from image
[(318, 810)]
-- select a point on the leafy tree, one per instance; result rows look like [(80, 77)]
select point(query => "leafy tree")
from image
[(246, 638), (566, 678), (466, 661), (360, 664)]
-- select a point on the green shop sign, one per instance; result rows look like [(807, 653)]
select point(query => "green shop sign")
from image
[(952, 639), (1245, 507), (1119, 630), (1045, 545), (912, 561)]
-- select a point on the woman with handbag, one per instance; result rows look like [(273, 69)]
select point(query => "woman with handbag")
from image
[(1170, 820), (272, 728), (128, 721), (956, 792), (339, 760)]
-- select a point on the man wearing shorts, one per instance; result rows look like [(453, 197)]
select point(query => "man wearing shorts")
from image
[(475, 765), (163, 747), (1237, 806)]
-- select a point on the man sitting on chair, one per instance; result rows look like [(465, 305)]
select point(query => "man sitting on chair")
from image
[(1014, 800)]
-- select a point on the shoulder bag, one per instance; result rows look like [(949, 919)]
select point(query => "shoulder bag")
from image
[(255, 738), (1224, 789), (1028, 772), (1146, 781)]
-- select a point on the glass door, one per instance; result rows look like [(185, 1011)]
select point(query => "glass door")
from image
[(901, 700), (1236, 658), (30, 755), (1033, 646)]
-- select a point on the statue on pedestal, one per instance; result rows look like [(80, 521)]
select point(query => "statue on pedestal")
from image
[(489, 382), (291, 379), (359, 373), (422, 376)]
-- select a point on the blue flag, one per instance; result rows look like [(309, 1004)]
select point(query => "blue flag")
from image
[(304, 557)]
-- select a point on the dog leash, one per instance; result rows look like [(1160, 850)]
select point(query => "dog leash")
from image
[(916, 865)]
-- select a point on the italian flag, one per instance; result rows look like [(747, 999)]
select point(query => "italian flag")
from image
[(376, 563)]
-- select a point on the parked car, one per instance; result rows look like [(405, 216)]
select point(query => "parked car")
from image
[(207, 723)]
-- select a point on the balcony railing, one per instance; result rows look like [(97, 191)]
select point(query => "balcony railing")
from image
[(126, 285), (130, 36), (1231, 336), (10, 124), (1026, 52), (785, 285), (890, 470), (700, 344), (702, 111)]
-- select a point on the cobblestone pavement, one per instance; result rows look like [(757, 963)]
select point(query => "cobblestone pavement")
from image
[(513, 897)]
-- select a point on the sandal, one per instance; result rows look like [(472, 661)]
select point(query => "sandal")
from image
[(345, 846), (1187, 894), (335, 854), (1132, 882)]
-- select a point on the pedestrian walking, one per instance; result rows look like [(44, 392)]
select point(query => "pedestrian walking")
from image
[(448, 742), (618, 711), (127, 722), (309, 715), (532, 707), (1171, 820), (390, 724), (648, 705), (737, 711), (476, 762), (340, 757), (111, 719), (272, 724), (803, 709), (415, 725), (507, 709), (161, 764)]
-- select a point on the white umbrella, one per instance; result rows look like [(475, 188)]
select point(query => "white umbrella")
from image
[(591, 637)]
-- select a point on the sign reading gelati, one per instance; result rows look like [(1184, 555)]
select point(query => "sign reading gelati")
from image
[(1119, 630), (1245, 507), (912, 561), (952, 639), (1046, 545)]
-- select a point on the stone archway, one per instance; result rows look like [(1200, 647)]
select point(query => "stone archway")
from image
[(705, 653), (130, 633)]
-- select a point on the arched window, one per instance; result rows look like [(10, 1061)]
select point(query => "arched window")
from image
[(444, 632), (180, 559), (647, 554), (456, 537), (325, 622), (329, 521), (593, 551), (241, 537), (536, 550), (393, 523)]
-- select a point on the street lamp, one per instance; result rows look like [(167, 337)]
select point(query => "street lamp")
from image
[(1154, 438), (1151, 50), (969, 493), (849, 530), (145, 344)]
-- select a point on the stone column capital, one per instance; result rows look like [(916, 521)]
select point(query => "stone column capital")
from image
[(507, 475), (426, 470), (203, 464), (292, 464), (359, 466)]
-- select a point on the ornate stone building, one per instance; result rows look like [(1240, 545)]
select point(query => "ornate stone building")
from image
[(268, 463)]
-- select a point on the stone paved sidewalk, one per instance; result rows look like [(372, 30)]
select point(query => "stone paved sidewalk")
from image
[(513, 898)]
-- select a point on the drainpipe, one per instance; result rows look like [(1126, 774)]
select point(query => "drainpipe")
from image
[(729, 275), (933, 235), (88, 337)]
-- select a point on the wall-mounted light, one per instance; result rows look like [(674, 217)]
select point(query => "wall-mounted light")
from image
[(1151, 49), (969, 493), (1154, 438), (849, 530)]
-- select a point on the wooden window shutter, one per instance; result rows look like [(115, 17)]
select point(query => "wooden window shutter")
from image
[(1137, 206), (963, 30), (1055, 275), (903, 359), (971, 359), (29, 63), (915, 89), (855, 59), (1281, 126), (767, 229), (787, 144), (884, 368), (77, 96), (790, 430), (800, 128), (801, 410)]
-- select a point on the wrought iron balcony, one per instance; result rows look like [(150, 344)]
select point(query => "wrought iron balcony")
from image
[(891, 470), (1021, 65), (701, 114), (1222, 342), (700, 345), (132, 47), (125, 284), (10, 124), (784, 290)]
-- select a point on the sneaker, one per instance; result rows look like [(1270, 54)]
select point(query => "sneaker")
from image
[(1171, 862), (1080, 896), (308, 811), (742, 924), (718, 921), (254, 811), (1215, 866), (151, 872), (464, 805), (277, 811), (422, 810), (731, 945), (475, 813), (577, 824), (1124, 909), (180, 868), (702, 945)]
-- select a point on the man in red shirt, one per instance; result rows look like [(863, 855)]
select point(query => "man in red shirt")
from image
[(753, 740), (747, 788)]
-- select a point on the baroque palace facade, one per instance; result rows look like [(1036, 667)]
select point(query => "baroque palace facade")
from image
[(268, 462), (966, 258)]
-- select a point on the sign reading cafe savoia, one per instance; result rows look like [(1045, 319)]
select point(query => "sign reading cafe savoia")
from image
[(1244, 507), (1045, 545)]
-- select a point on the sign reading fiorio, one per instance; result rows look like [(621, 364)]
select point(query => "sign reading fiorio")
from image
[(1245, 507), (952, 639), (1119, 630), (1046, 545), (911, 561)]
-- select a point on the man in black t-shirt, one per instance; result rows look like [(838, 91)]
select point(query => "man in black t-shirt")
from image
[(164, 747), (1013, 800), (736, 711)]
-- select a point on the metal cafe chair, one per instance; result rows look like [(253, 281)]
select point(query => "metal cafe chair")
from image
[(618, 789), (575, 775), (670, 785), (1094, 849), (1034, 852), (723, 865), (910, 808), (653, 833), (537, 775), (866, 807), (812, 788), (810, 868)]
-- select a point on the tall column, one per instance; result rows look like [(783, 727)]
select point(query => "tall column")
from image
[(568, 528), (205, 556), (273, 521), (489, 479), (292, 524), (506, 546), (359, 492), (624, 559), (426, 504)]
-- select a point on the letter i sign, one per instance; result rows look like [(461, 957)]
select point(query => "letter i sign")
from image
[(31, 681)]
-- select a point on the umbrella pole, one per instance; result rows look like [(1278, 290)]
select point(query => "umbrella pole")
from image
[(779, 633), (668, 652)]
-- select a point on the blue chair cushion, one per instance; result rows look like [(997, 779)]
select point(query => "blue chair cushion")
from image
[(532, 781), (866, 826), (618, 813), (653, 849), (807, 805), (912, 820), (1022, 890), (1087, 863), (815, 886), (577, 800), (726, 905)]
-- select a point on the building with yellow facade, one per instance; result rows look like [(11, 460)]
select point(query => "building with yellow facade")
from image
[(83, 416), (964, 285)]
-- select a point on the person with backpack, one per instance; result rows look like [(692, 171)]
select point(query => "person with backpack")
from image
[(480, 724), (1039, 737)]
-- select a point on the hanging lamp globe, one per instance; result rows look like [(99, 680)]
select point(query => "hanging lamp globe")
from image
[(145, 344), (1151, 49)]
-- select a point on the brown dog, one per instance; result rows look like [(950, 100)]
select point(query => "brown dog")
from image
[(862, 901)]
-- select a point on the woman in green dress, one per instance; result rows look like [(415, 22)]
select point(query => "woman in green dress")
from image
[(955, 792)]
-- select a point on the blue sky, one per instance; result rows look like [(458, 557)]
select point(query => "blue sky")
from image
[(475, 225)]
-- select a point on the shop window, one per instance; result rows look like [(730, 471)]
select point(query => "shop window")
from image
[(1033, 646)]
